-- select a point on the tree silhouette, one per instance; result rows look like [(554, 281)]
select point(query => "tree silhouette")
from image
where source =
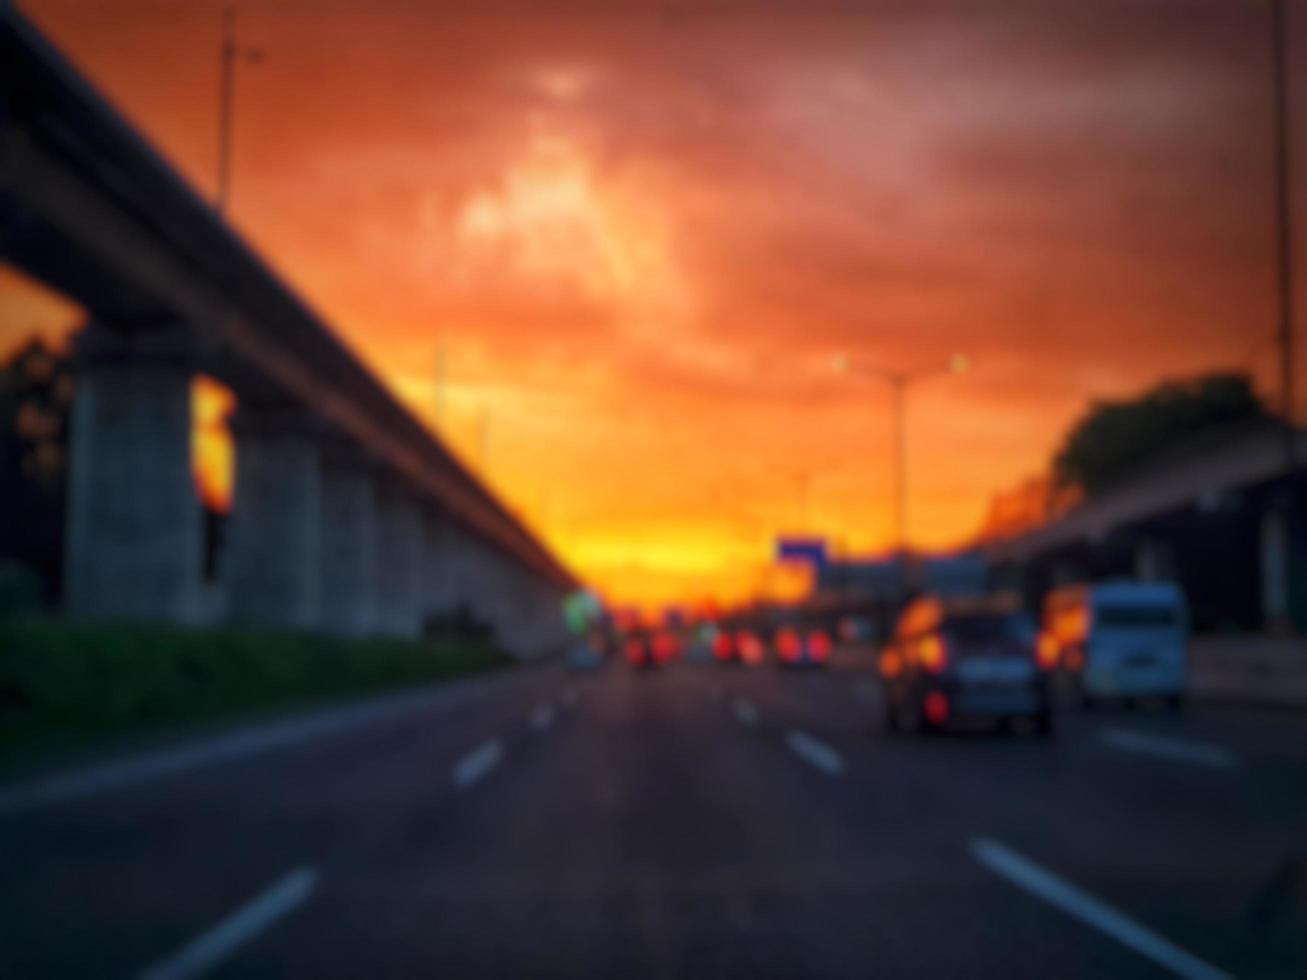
[(36, 393), (1116, 436)]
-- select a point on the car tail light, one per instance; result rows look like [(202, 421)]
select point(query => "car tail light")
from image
[(665, 647), (751, 651), (723, 646), (788, 645), (818, 645), (1046, 651), (890, 664), (932, 653), (634, 651), (936, 708)]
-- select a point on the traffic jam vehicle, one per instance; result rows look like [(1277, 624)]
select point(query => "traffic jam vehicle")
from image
[(583, 657), (724, 648), (797, 647), (1124, 642), (739, 646), (638, 651), (963, 661), (752, 651)]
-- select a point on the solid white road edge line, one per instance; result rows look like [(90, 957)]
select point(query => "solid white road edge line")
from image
[(1079, 904), (208, 950), (478, 763), (815, 752), (1174, 749), (78, 783)]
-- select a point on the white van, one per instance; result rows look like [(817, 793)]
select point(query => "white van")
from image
[(1121, 640)]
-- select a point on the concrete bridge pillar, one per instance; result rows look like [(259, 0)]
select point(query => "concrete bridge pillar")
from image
[(134, 529), (399, 557), (553, 626), (548, 604), (526, 619), (459, 583), (438, 595), (515, 628), (532, 622), (522, 612), (347, 573), (485, 588), (271, 571), (1274, 560)]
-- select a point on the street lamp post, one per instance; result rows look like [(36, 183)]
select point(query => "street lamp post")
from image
[(231, 53), (899, 381), (1283, 223)]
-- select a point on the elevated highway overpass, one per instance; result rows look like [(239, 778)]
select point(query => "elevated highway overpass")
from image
[(349, 515)]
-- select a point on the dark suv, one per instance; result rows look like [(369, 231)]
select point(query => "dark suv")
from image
[(971, 659)]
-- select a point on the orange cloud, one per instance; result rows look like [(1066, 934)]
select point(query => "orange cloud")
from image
[(634, 239)]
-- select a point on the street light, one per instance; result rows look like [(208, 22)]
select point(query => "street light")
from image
[(899, 382), (231, 53), (1283, 223)]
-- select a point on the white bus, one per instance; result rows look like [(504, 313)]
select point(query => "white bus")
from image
[(1121, 641)]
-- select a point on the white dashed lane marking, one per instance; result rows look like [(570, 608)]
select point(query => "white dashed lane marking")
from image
[(870, 691), (210, 949), (541, 718), (745, 712), (1171, 749), (815, 752), (478, 763), (190, 757), (1079, 904)]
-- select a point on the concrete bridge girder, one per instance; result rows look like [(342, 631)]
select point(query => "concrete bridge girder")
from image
[(93, 211)]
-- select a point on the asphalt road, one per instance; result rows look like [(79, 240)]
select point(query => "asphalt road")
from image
[(689, 822)]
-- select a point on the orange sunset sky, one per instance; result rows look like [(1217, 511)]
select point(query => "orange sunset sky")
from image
[(640, 232)]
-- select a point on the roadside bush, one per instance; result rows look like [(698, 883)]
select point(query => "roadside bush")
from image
[(63, 685)]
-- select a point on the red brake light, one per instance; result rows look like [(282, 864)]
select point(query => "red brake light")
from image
[(722, 646), (788, 645), (634, 651), (936, 707), (933, 654), (751, 651), (890, 664), (665, 647), (818, 645)]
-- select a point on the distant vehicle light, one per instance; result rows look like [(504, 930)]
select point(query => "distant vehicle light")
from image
[(819, 645), (788, 645), (665, 647), (932, 653), (635, 651), (890, 664), (1046, 651), (751, 649), (723, 646), (936, 707)]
